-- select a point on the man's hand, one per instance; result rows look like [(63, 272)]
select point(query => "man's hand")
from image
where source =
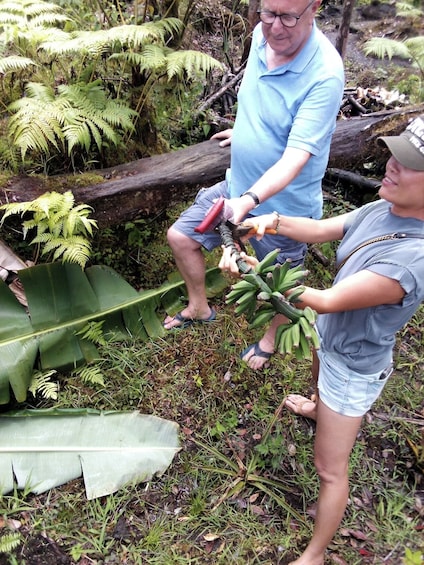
[(225, 135), (228, 261)]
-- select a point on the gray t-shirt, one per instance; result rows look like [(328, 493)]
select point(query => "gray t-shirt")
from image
[(364, 338)]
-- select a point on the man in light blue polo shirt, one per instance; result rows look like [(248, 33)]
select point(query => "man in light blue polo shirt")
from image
[(287, 107)]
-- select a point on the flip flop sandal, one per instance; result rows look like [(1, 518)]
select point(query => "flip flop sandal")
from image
[(185, 322), (257, 352)]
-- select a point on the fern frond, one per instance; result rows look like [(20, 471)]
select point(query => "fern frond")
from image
[(119, 115), (151, 58), (405, 9), (37, 7), (90, 42), (41, 384), (416, 48), (383, 46), (48, 19), (90, 374), (191, 62), (39, 35), (76, 250), (9, 542), (61, 227), (101, 41), (98, 124), (93, 332), (29, 132), (15, 63), (136, 36), (77, 222), (77, 134)]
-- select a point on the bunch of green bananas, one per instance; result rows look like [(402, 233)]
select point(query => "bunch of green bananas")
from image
[(266, 284)]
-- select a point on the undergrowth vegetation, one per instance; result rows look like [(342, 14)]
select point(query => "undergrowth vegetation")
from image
[(242, 489)]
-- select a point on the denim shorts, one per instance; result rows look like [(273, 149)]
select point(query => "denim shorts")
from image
[(205, 199), (345, 391)]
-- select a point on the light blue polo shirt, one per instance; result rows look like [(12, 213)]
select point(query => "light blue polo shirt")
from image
[(294, 105)]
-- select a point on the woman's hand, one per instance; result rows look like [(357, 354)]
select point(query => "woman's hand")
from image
[(225, 135), (263, 223), (228, 261)]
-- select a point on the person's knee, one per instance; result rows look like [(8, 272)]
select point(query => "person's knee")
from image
[(180, 243), (329, 472), (175, 238)]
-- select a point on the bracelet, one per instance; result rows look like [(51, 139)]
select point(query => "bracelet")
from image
[(277, 225), (254, 196)]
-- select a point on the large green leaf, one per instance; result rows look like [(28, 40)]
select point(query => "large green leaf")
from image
[(42, 449), (63, 299)]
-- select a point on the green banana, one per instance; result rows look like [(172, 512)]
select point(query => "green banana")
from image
[(261, 317), (285, 343), (267, 261), (296, 335), (310, 314), (283, 339), (280, 336), (253, 279), (243, 285), (304, 347), (306, 327), (233, 296), (294, 296), (315, 339), (289, 282), (282, 306), (244, 308), (249, 311), (246, 297)]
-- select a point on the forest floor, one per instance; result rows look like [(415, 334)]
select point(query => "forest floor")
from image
[(194, 377)]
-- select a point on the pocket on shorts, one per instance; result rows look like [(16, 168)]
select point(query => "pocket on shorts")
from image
[(376, 385)]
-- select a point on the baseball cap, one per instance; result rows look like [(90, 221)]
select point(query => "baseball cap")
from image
[(408, 147)]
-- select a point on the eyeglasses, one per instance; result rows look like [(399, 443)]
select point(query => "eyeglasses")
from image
[(287, 20)]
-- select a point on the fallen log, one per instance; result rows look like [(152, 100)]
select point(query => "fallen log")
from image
[(149, 186)]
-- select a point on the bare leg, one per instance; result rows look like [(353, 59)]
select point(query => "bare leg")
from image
[(301, 405), (335, 437), (191, 264)]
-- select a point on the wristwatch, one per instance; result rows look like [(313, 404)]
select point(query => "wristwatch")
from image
[(253, 196)]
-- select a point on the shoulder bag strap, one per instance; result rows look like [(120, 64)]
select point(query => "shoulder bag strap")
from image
[(395, 235)]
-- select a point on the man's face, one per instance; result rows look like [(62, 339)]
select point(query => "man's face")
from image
[(286, 42), (404, 188)]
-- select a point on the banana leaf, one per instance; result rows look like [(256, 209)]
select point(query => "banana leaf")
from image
[(42, 449), (63, 299)]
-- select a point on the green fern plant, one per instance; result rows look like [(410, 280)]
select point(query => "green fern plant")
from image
[(90, 375), (9, 542), (42, 384), (76, 119), (85, 89), (62, 229), (411, 49), (24, 25)]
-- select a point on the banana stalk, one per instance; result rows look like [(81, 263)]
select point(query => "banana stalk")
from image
[(259, 295)]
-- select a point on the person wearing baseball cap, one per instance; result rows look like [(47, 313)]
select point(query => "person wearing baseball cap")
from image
[(408, 147), (378, 287)]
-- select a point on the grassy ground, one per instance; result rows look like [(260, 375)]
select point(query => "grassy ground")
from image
[(206, 509)]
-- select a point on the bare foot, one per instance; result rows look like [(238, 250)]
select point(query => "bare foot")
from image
[(306, 407), (184, 320), (256, 357)]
